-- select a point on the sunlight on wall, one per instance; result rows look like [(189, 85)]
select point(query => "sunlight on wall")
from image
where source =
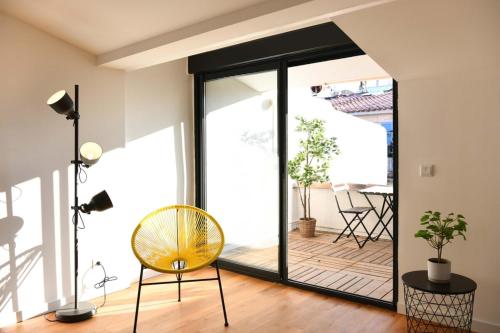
[(6, 245), (153, 172), (3, 205), (139, 179), (184, 165), (102, 235), (28, 274), (57, 231)]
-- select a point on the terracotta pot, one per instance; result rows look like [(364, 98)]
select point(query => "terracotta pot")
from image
[(307, 227), (438, 271)]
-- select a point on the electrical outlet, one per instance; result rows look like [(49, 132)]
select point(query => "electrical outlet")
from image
[(426, 170)]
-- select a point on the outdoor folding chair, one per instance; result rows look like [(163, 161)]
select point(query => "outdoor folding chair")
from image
[(357, 213)]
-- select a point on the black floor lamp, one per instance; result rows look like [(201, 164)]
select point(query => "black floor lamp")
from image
[(89, 154)]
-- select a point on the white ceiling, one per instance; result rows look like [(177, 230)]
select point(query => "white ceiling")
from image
[(336, 71), (132, 34), (423, 38), (99, 26)]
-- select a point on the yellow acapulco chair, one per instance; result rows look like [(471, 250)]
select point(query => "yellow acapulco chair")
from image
[(176, 240)]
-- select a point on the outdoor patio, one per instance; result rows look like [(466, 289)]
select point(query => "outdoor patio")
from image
[(342, 266)]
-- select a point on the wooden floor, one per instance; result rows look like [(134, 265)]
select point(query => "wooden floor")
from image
[(341, 265), (253, 305)]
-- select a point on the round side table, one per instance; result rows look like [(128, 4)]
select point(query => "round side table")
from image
[(433, 307)]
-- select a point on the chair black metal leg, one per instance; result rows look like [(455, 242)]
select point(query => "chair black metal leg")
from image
[(351, 230), (348, 226), (364, 227), (368, 234), (179, 277), (360, 244), (389, 207), (221, 294), (340, 235), (138, 298)]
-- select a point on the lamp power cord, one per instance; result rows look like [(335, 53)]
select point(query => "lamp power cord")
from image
[(102, 283), (98, 285)]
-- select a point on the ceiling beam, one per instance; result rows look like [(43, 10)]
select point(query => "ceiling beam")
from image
[(262, 20)]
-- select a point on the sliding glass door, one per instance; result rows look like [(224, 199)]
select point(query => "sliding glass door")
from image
[(246, 132), (241, 165), (351, 250)]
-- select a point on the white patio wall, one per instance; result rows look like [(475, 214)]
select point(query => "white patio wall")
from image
[(324, 209), (242, 162), (362, 160), (362, 144)]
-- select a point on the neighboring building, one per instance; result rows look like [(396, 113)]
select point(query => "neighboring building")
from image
[(376, 108)]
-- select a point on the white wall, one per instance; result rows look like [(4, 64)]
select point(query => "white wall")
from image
[(36, 147), (324, 209), (143, 121), (159, 167), (445, 55), (449, 102), (457, 130), (159, 129)]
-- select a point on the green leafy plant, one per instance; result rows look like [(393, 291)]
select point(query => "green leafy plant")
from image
[(312, 162), (440, 231)]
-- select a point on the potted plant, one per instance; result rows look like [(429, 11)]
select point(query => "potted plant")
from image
[(311, 165), (438, 232)]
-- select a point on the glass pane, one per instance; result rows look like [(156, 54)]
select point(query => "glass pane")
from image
[(242, 166), (350, 249)]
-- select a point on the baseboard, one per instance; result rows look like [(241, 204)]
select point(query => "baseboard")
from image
[(401, 308), (485, 326), (478, 326)]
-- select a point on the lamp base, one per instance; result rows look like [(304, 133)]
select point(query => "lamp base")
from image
[(69, 314)]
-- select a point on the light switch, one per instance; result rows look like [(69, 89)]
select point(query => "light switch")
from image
[(426, 170)]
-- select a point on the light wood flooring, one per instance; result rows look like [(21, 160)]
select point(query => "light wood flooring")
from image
[(341, 265), (253, 305)]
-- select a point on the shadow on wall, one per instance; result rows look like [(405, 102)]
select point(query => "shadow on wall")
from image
[(36, 247), (147, 171), (30, 255), (36, 266), (14, 267)]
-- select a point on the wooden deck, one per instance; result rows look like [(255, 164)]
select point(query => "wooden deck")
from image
[(318, 261)]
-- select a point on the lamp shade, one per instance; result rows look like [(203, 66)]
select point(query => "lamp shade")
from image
[(61, 103), (99, 202), (90, 153)]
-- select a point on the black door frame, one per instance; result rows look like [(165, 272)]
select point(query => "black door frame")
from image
[(281, 64)]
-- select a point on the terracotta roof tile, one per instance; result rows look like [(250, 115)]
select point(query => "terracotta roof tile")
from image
[(362, 102)]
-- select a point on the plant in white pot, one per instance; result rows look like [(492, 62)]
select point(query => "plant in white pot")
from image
[(438, 232), (310, 165)]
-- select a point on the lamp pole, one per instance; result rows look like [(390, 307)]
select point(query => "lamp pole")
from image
[(75, 207), (62, 103), (79, 310)]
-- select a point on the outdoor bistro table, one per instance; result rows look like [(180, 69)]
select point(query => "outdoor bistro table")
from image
[(433, 307), (386, 211)]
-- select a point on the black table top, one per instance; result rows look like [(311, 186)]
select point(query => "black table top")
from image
[(458, 284)]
